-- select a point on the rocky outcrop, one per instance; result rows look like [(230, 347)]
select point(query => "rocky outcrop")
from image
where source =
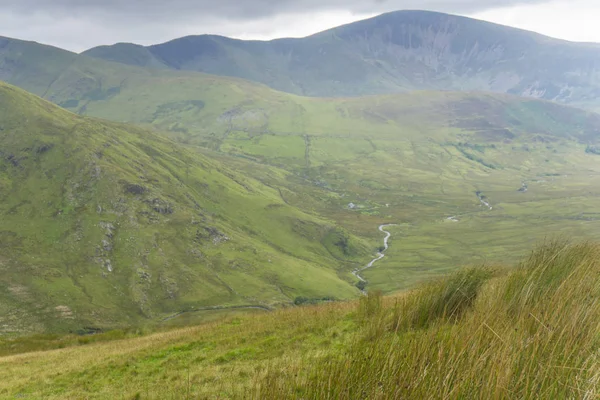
[(104, 250)]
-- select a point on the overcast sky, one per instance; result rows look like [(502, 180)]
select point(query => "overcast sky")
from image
[(80, 24)]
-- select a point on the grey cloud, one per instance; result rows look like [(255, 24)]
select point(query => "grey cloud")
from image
[(242, 9)]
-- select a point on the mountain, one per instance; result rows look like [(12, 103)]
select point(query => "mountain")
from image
[(107, 225), (30, 65), (465, 177), (394, 52), (304, 182)]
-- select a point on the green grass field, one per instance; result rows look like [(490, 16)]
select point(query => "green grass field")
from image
[(527, 332)]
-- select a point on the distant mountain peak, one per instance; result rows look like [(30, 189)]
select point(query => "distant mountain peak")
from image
[(395, 52)]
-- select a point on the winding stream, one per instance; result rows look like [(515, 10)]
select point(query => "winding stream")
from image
[(380, 254), (483, 200)]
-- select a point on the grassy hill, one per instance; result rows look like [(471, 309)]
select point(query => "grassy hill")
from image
[(413, 159), (107, 225), (530, 332), (394, 52), (419, 160), (426, 161), (32, 66)]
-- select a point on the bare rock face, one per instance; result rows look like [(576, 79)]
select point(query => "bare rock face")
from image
[(439, 51), (160, 206), (103, 251), (211, 234)]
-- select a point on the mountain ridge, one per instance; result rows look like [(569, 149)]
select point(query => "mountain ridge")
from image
[(393, 52), (350, 24)]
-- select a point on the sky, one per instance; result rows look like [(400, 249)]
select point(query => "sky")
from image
[(78, 25)]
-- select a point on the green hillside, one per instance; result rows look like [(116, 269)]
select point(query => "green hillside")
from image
[(107, 225), (390, 53), (425, 161), (32, 66), (412, 159), (529, 333), (418, 160)]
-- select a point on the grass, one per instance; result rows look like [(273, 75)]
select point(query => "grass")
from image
[(525, 332), (216, 359), (275, 173), (533, 333), (110, 226)]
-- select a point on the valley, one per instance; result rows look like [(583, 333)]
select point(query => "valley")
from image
[(420, 177), (406, 206), (308, 179), (228, 194)]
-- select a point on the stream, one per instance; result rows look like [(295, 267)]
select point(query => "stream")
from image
[(380, 254), (483, 200)]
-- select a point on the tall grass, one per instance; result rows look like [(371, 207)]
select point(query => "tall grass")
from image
[(530, 332), (533, 333)]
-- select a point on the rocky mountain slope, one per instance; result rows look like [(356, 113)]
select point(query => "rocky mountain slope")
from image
[(394, 52)]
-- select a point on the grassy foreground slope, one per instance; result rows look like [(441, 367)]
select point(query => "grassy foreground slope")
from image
[(106, 225), (530, 332)]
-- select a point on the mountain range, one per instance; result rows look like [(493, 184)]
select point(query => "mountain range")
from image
[(210, 174), (395, 52)]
